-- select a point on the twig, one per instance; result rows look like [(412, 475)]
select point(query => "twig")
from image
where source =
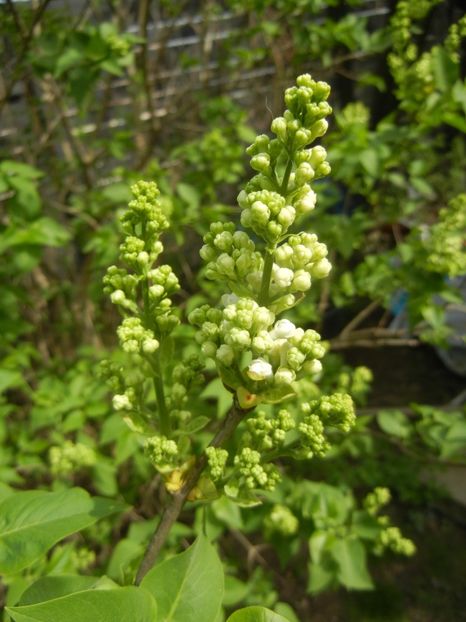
[(342, 344), (27, 38), (177, 500), (360, 317)]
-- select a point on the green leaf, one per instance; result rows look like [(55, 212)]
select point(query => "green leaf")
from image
[(11, 167), (369, 161), (445, 70), (394, 422), (189, 194), (321, 577), (42, 232), (48, 588), (195, 424), (216, 390), (188, 587), (350, 556), (70, 58), (9, 378), (256, 614), (127, 604), (32, 521)]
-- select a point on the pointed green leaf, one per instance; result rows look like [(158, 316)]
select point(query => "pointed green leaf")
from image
[(47, 588), (189, 586), (350, 556), (33, 521), (127, 604), (256, 614)]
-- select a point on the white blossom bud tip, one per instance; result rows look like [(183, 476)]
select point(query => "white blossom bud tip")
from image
[(259, 370)]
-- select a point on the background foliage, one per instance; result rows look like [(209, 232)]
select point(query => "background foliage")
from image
[(96, 95)]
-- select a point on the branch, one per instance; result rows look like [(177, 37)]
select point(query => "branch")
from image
[(373, 338), (342, 344), (26, 41), (176, 502), (359, 318)]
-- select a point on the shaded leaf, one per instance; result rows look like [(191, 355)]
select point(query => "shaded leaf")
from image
[(188, 587), (127, 604), (33, 521)]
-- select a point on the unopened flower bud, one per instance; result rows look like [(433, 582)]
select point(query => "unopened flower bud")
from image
[(304, 173), (150, 345), (319, 128), (286, 216), (225, 354), (321, 268), (121, 402), (259, 370), (307, 202), (118, 297), (283, 375), (261, 162), (283, 329), (302, 281)]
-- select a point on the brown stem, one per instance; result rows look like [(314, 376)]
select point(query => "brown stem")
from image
[(360, 317), (26, 41), (342, 344), (176, 502)]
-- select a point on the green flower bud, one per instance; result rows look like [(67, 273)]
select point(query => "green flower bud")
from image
[(278, 127), (225, 355), (150, 345), (283, 375), (321, 269), (261, 162), (304, 173), (301, 281), (118, 297), (319, 128)]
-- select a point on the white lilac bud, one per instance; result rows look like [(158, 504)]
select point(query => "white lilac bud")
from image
[(118, 297), (156, 291), (287, 215), (263, 316), (121, 402), (302, 281), (283, 277), (322, 268), (226, 264), (318, 155), (308, 202), (304, 173), (225, 354), (283, 329), (238, 337), (260, 212), (143, 258), (259, 370), (278, 127), (262, 343), (283, 375), (228, 299), (313, 367), (284, 253), (319, 128), (150, 345)]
